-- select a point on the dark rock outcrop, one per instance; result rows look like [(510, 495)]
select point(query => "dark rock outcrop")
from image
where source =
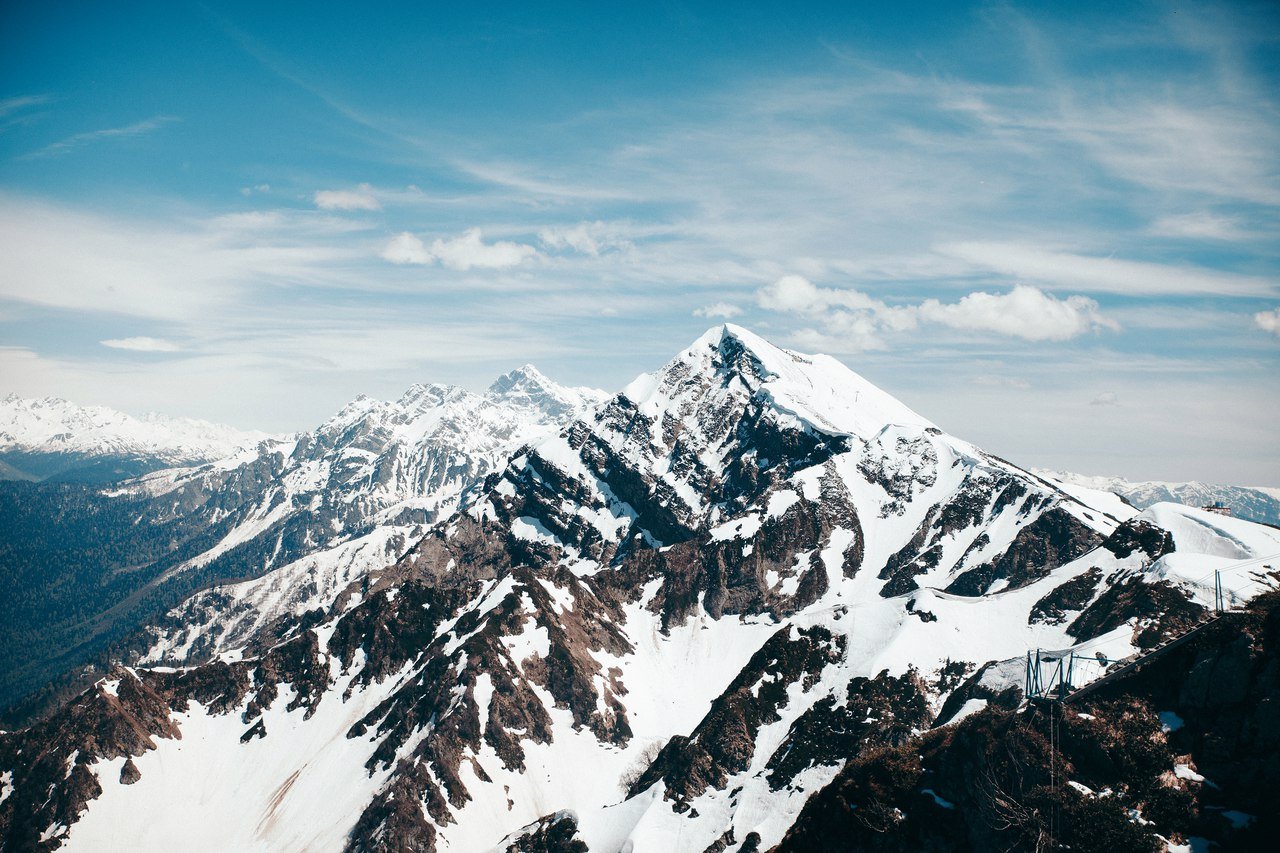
[(1055, 538), (724, 742), (1161, 609), (1138, 534), (1074, 595)]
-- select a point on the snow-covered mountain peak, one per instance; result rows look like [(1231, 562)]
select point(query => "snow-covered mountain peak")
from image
[(523, 397), (525, 377), (53, 425), (528, 386), (817, 390)]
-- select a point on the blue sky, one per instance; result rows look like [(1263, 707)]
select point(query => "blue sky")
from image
[(1051, 228)]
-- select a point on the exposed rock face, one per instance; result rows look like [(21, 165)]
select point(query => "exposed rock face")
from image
[(976, 688), (345, 499), (1074, 595), (1140, 535), (129, 773), (556, 833), (1055, 538), (877, 712), (724, 742), (1159, 609)]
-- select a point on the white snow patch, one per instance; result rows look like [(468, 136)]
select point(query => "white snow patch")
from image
[(1184, 771)]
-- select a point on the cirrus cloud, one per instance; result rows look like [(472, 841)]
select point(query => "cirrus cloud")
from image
[(141, 344)]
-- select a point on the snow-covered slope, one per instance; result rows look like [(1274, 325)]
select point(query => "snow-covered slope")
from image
[(347, 498), (53, 437), (1257, 503), (663, 626)]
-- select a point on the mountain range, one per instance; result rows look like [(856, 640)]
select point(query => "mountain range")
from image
[(53, 439), (749, 601), (1257, 503), (87, 564)]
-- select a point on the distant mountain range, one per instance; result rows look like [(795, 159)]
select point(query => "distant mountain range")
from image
[(750, 601), (1257, 503), (53, 439)]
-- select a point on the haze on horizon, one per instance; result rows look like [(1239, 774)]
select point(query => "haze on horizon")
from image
[(1053, 231)]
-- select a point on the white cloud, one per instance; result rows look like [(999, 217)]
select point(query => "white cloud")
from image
[(848, 320), (464, 252), (405, 248), (587, 238), (1268, 321), (1202, 226), (1219, 149), (1023, 312), (361, 198), (141, 344), (469, 250), (797, 295), (718, 309), (1106, 398)]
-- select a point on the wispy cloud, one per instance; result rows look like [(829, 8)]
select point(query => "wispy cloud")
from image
[(588, 238), (9, 106), (276, 65), (361, 198), (996, 380), (67, 259), (725, 310), (1058, 269), (1201, 225), (466, 251), (519, 178), (141, 344), (140, 128)]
